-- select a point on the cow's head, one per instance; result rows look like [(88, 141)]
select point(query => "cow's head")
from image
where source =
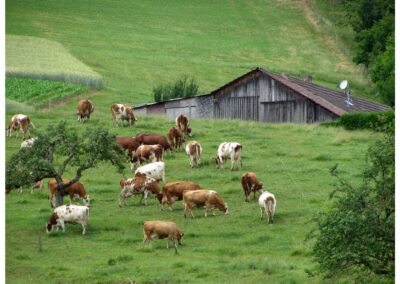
[(51, 223), (86, 200)]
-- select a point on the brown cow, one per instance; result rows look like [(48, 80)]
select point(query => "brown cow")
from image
[(74, 190), (21, 122), (121, 112), (129, 144), (193, 149), (153, 139), (152, 153), (162, 230), (175, 138), (174, 191), (208, 199), (85, 109), (139, 184), (182, 123), (250, 183)]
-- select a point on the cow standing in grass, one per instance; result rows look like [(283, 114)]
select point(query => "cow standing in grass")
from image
[(153, 139), (175, 137), (207, 199), (85, 109), (152, 153), (21, 122), (74, 214), (229, 150), (267, 204), (161, 230), (122, 112), (75, 190), (174, 191), (193, 150), (182, 123), (154, 170), (250, 183)]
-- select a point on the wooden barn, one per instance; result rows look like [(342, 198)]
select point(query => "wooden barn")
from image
[(264, 96)]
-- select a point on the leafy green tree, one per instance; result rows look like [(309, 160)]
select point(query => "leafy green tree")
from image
[(184, 87), (58, 148), (357, 232)]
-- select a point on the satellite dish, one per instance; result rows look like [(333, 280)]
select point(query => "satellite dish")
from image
[(343, 84)]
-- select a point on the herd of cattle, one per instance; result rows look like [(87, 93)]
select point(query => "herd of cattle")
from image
[(150, 147)]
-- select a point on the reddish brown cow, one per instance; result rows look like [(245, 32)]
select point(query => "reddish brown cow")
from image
[(139, 184), (182, 123), (76, 190), (85, 109), (174, 191), (194, 149), (208, 199), (175, 138), (152, 153), (153, 139), (250, 183), (21, 122), (121, 112), (162, 230)]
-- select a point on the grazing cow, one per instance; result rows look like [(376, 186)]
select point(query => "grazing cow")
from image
[(152, 153), (28, 142), (21, 122), (154, 170), (121, 112), (175, 137), (209, 199), (139, 184), (162, 230), (37, 185), (75, 190), (250, 183), (129, 144), (182, 123), (229, 150), (85, 109), (153, 139), (193, 149), (267, 204), (174, 191), (74, 214)]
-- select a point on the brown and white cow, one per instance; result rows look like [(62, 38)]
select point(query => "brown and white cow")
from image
[(121, 112), (250, 183), (208, 199), (161, 230), (153, 139), (175, 138), (73, 214), (152, 153), (229, 150), (139, 184), (85, 109), (75, 190), (182, 123), (193, 149), (267, 204), (174, 191), (21, 122)]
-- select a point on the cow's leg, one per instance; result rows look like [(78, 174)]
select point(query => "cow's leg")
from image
[(141, 198), (168, 243), (266, 212), (212, 211), (252, 189), (185, 209), (84, 228), (62, 225), (205, 211), (261, 213), (146, 193)]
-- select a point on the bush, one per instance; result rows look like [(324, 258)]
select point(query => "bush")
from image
[(183, 88), (377, 121)]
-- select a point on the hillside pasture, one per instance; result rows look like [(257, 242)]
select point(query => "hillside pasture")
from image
[(43, 59), (293, 161)]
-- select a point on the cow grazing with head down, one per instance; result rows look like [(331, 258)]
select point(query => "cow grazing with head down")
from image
[(153, 139), (208, 199), (129, 144), (74, 214), (122, 112), (28, 142), (229, 150), (267, 204), (193, 149), (75, 190), (152, 153), (250, 183), (175, 138), (21, 122), (174, 191), (182, 123), (85, 109), (139, 184), (161, 230), (154, 170)]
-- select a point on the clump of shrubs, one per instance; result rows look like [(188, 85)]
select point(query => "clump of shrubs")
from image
[(184, 87)]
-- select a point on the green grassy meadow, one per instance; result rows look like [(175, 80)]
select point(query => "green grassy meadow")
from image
[(134, 45)]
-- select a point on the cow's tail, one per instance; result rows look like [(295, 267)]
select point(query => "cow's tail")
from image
[(269, 202), (197, 151)]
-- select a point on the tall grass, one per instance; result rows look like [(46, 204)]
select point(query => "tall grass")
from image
[(46, 60)]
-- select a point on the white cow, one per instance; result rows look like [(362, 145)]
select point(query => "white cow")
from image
[(28, 142), (229, 150), (75, 214), (154, 170), (267, 204)]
